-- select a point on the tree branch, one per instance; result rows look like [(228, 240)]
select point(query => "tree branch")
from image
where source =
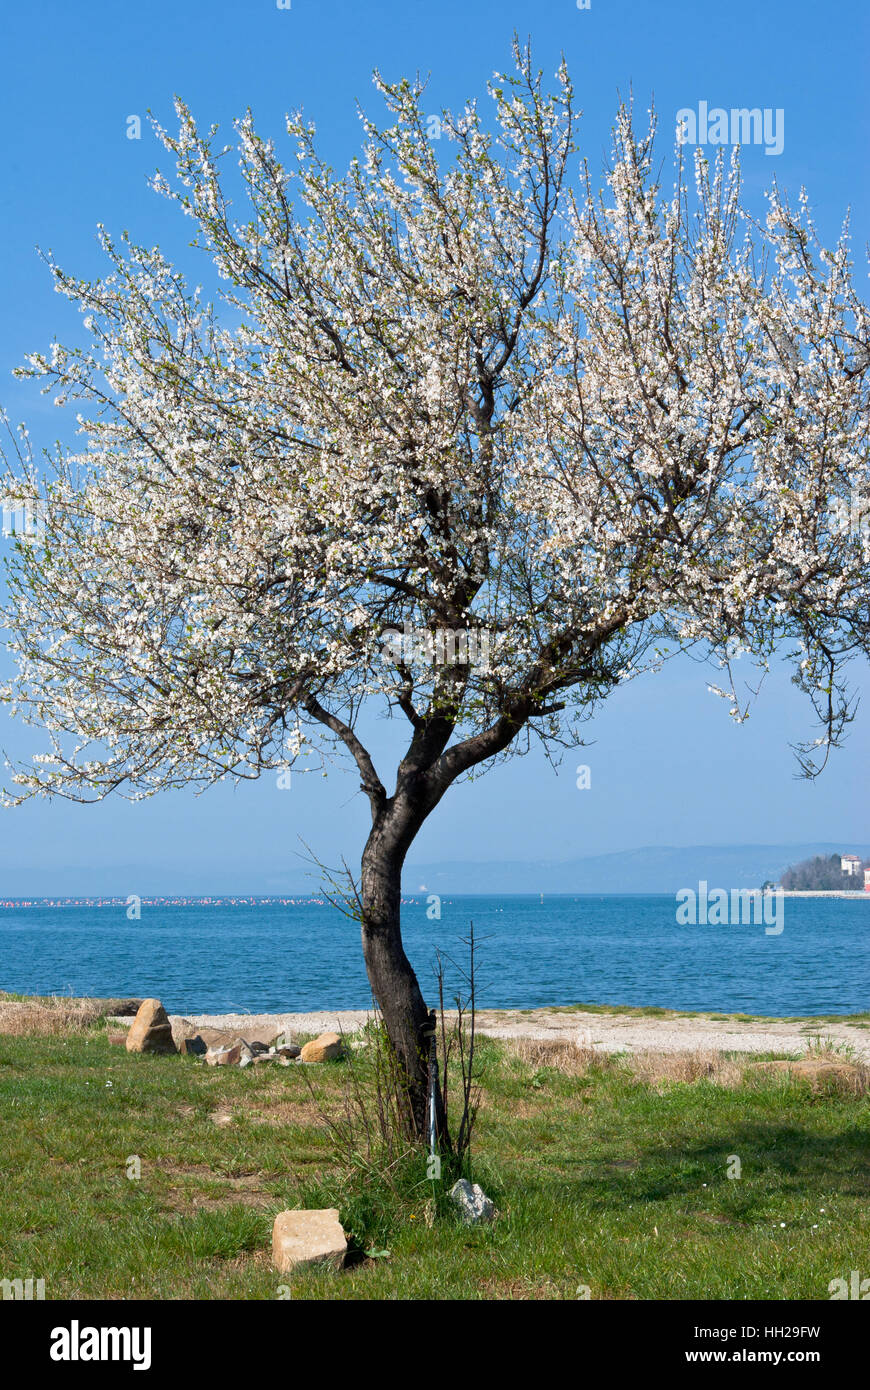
[(371, 782)]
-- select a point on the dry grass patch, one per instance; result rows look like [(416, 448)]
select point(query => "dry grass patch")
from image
[(185, 1202), (663, 1069), (49, 1017), (182, 1170), (305, 1114), (827, 1074), (828, 1069), (238, 1197), (186, 1194), (242, 1264), (520, 1290), (517, 1109), (558, 1054)]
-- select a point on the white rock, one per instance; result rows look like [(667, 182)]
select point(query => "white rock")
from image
[(472, 1202)]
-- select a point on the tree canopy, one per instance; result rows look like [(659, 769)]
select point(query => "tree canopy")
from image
[(472, 394)]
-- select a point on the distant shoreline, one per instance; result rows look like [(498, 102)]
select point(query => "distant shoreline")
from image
[(855, 894), (412, 900)]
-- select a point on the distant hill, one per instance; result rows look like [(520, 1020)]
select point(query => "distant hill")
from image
[(653, 869), (650, 869)]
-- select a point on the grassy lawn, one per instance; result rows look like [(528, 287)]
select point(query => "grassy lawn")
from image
[(604, 1175)]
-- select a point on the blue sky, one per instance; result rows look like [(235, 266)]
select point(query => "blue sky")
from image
[(668, 767)]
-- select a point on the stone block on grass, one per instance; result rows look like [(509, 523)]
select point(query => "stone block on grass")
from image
[(323, 1049), (151, 1030), (302, 1238)]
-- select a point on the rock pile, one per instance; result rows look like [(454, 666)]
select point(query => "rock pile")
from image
[(153, 1032), (228, 1050)]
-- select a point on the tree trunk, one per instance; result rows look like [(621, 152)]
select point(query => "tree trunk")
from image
[(394, 984)]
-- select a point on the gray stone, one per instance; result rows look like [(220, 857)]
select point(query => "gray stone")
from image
[(182, 1029), (472, 1201)]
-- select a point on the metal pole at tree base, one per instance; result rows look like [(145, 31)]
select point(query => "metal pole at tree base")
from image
[(431, 1112)]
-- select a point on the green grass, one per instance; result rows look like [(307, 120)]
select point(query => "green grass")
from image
[(600, 1180)]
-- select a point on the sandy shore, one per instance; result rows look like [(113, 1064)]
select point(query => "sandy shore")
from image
[(856, 895), (606, 1032)]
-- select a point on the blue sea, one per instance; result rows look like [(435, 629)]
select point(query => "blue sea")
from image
[(299, 955)]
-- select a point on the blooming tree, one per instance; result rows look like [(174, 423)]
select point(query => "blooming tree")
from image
[(572, 428)]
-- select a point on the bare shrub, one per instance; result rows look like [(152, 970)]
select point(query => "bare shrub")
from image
[(457, 1046), (366, 1121)]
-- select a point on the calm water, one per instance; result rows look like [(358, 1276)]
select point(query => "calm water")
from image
[(297, 957)]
